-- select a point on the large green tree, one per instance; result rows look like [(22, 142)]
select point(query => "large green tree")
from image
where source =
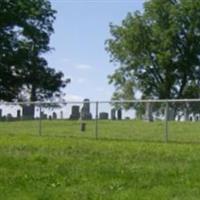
[(157, 51), (25, 30)]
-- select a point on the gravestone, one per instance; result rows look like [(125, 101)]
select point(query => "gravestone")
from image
[(0, 113), (28, 111), (75, 114), (186, 114), (43, 115), (18, 114), (9, 117), (148, 112), (179, 118), (3, 118), (171, 114), (113, 114), (119, 114), (85, 111), (54, 115), (103, 115), (61, 114)]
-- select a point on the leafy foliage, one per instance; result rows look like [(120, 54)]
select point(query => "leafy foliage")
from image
[(158, 51), (25, 29)]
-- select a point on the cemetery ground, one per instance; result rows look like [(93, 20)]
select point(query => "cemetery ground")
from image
[(129, 160)]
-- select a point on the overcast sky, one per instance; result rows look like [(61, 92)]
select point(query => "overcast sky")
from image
[(81, 28)]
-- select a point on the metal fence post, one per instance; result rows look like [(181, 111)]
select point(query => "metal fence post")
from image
[(166, 122), (96, 119), (40, 121)]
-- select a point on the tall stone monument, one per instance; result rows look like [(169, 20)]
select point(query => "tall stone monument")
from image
[(75, 113), (85, 111), (119, 114), (171, 114), (18, 114), (186, 114), (54, 115), (113, 114), (148, 112), (61, 114)]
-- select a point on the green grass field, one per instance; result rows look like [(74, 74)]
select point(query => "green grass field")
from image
[(107, 129), (128, 161)]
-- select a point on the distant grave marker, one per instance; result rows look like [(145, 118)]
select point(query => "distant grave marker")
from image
[(148, 112), (119, 114), (103, 115), (18, 114), (54, 115), (9, 117), (28, 111), (61, 114), (85, 111), (75, 114), (113, 114)]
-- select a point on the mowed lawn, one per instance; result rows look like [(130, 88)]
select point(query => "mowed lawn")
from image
[(134, 130), (77, 166)]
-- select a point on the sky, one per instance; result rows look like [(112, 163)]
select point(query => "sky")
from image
[(81, 29)]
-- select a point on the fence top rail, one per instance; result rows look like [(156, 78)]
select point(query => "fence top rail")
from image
[(38, 103)]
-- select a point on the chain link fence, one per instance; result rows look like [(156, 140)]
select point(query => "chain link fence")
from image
[(139, 120)]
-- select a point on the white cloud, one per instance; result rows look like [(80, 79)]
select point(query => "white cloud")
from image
[(83, 66), (75, 80), (100, 89), (72, 97), (81, 80), (65, 60)]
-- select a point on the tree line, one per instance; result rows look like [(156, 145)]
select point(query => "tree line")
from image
[(25, 30), (157, 52)]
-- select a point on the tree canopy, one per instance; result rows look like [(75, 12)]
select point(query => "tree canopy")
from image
[(157, 51), (25, 30)]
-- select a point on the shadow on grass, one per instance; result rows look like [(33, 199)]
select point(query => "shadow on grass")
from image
[(104, 139)]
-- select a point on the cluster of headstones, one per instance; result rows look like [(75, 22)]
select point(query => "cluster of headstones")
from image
[(115, 114), (53, 116), (84, 114), (28, 112), (186, 116), (9, 115)]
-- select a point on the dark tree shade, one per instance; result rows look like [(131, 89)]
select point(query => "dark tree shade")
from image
[(25, 30)]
